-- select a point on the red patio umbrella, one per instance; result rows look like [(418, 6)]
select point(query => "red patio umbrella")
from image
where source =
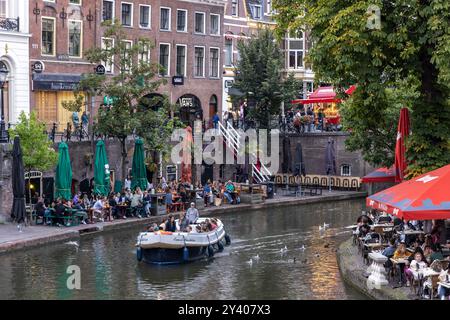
[(400, 157), (426, 197), (380, 175)]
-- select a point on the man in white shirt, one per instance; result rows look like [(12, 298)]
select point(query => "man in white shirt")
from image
[(192, 214), (98, 207)]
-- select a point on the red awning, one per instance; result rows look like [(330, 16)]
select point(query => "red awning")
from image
[(380, 175), (426, 197), (323, 95)]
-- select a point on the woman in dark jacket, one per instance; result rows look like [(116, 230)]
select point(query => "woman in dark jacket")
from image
[(170, 224)]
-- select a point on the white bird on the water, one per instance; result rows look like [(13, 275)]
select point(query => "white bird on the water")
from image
[(73, 243), (256, 257), (303, 248), (250, 262), (283, 250)]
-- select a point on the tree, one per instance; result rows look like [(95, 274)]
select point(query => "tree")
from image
[(259, 75), (37, 149), (409, 47), (134, 79)]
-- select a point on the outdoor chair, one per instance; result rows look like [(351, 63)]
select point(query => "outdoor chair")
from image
[(432, 285)]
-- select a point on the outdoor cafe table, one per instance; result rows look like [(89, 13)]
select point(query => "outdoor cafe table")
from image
[(400, 261), (376, 245), (421, 275)]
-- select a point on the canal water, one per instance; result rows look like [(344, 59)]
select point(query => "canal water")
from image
[(109, 269)]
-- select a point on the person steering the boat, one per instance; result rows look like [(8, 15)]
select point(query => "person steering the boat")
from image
[(192, 214), (183, 222)]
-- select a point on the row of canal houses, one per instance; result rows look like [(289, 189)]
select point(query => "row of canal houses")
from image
[(43, 45)]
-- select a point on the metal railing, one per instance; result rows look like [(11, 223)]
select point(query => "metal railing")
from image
[(232, 139), (10, 24)]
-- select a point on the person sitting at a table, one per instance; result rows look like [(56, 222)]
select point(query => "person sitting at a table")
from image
[(40, 208), (60, 209), (137, 203), (436, 253), (389, 251), (444, 276), (207, 192), (384, 218), (416, 265), (401, 252), (98, 207), (420, 239), (229, 190), (113, 204)]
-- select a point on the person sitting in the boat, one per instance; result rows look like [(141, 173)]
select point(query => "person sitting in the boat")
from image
[(153, 228), (183, 222), (192, 214), (213, 223), (189, 229), (198, 228), (170, 224)]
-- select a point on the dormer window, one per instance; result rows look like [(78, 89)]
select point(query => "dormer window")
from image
[(256, 11)]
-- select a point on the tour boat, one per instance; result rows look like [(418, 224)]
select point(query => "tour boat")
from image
[(162, 247)]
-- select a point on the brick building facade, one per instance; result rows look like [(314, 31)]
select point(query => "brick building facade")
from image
[(187, 41)]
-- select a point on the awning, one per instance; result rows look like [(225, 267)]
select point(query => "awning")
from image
[(56, 81), (323, 95), (380, 175), (426, 197), (235, 92)]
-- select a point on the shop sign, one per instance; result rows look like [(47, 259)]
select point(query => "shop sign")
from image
[(178, 80), (38, 66), (100, 69), (186, 102)]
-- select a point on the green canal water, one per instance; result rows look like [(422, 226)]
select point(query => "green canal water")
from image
[(109, 269)]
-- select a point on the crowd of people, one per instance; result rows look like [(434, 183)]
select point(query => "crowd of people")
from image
[(177, 196), (419, 250)]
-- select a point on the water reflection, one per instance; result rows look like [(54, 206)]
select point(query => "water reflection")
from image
[(110, 270)]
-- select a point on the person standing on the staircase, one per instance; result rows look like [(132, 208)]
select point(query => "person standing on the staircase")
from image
[(216, 120)]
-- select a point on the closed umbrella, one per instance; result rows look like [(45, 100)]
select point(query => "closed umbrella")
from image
[(18, 184), (138, 170), (63, 176), (299, 164), (286, 166), (400, 149), (101, 171), (330, 160)]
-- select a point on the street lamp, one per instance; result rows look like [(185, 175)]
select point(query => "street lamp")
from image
[(3, 75)]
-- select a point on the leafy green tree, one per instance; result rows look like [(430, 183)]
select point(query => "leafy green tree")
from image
[(408, 47), (134, 79), (259, 75), (37, 149)]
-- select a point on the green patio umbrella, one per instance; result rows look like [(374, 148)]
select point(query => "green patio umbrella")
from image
[(101, 171), (63, 176), (138, 171)]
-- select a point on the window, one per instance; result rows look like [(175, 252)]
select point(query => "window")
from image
[(75, 38), (144, 52), (127, 14), (165, 19), (234, 8), (144, 16), (181, 60), (228, 52), (108, 44), (199, 62), (181, 20), (75, 2), (3, 8), (199, 22), (214, 62), (215, 24), (108, 10), (126, 59), (164, 54), (171, 173), (48, 36), (346, 170), (296, 50), (256, 11)]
